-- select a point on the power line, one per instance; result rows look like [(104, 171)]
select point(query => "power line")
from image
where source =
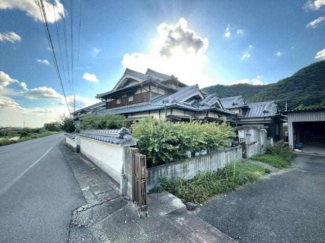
[(71, 32), (48, 35), (60, 49), (78, 48), (66, 51)]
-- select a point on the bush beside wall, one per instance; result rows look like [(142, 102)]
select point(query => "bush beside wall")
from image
[(165, 142)]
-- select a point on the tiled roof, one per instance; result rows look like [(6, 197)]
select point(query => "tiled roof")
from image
[(154, 74), (92, 107), (233, 102), (70, 135), (303, 110), (116, 136), (135, 74), (168, 101), (261, 109), (182, 94), (210, 99)]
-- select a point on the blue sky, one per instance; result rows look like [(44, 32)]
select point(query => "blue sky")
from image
[(204, 42)]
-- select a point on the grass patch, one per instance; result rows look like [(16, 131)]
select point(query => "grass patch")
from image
[(6, 141), (277, 156), (30, 136), (208, 184)]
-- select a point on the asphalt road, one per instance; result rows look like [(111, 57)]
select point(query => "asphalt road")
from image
[(285, 208), (38, 192)]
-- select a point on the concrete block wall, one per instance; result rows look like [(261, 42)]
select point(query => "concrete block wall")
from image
[(189, 168), (253, 149)]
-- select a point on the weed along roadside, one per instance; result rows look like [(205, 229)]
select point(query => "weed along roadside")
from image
[(208, 184), (277, 156)]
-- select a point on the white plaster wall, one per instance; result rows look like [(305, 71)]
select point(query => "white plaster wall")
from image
[(71, 142), (108, 157)]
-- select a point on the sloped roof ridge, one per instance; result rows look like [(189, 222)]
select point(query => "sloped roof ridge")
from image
[(157, 74)]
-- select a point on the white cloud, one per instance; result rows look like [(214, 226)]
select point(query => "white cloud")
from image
[(240, 32), (10, 37), (230, 30), (247, 53), (31, 8), (314, 4), (90, 77), (46, 62), (95, 51), (177, 51), (313, 24), (320, 55), (8, 102), (253, 81), (6, 80), (43, 93), (279, 53), (227, 33), (23, 85)]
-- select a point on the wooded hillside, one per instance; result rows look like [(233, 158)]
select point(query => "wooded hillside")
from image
[(306, 88)]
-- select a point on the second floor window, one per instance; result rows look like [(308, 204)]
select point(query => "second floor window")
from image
[(130, 98), (118, 101)]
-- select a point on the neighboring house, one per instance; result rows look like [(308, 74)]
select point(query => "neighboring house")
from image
[(307, 126), (256, 114), (137, 95)]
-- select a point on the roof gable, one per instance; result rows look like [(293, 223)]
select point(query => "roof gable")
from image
[(157, 75), (129, 75)]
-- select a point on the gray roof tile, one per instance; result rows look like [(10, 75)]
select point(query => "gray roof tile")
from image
[(233, 102), (261, 109)]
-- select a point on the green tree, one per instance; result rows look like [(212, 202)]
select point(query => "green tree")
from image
[(68, 125)]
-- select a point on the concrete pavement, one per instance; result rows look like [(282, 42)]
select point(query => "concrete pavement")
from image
[(38, 192), (288, 207)]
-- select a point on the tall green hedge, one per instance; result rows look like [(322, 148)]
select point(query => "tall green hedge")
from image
[(165, 142)]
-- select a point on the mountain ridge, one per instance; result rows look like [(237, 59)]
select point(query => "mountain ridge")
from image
[(304, 89)]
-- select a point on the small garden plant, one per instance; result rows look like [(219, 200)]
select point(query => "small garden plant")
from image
[(165, 142), (208, 184), (277, 156)]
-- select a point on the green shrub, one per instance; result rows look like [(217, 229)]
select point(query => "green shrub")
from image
[(104, 122), (208, 184), (165, 142), (6, 141)]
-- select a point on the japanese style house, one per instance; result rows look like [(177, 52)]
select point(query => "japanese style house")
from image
[(137, 95)]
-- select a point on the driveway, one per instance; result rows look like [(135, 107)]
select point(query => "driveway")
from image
[(289, 207), (38, 192)]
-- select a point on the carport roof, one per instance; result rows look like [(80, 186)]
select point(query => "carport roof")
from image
[(303, 110)]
